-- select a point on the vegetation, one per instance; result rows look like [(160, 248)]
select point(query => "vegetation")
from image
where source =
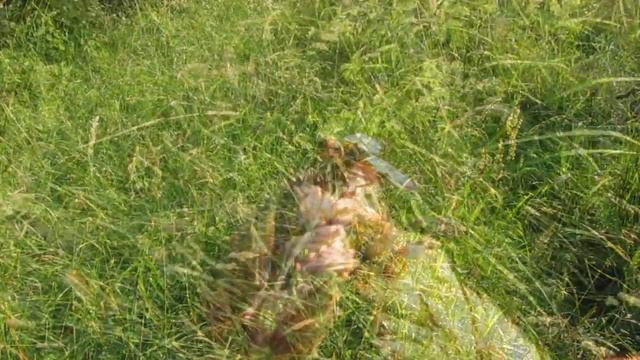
[(136, 138)]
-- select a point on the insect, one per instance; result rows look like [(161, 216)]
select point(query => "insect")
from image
[(281, 288), (279, 294), (372, 148)]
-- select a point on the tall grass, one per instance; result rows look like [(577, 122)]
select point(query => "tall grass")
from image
[(134, 143)]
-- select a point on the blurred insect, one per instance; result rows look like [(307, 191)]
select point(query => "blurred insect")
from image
[(362, 148), (283, 278), (279, 292)]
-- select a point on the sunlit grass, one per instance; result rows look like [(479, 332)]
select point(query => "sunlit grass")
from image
[(133, 145)]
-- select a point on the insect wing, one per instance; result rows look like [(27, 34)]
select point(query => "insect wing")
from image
[(365, 143), (394, 175)]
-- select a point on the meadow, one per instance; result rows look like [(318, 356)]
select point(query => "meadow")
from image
[(137, 137)]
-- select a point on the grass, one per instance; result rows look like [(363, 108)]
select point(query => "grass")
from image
[(133, 143)]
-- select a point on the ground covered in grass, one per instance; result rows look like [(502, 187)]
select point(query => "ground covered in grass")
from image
[(136, 137)]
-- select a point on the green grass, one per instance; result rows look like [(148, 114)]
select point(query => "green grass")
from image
[(134, 143)]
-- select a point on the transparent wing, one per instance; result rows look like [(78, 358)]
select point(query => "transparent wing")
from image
[(372, 148), (365, 143), (394, 175)]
